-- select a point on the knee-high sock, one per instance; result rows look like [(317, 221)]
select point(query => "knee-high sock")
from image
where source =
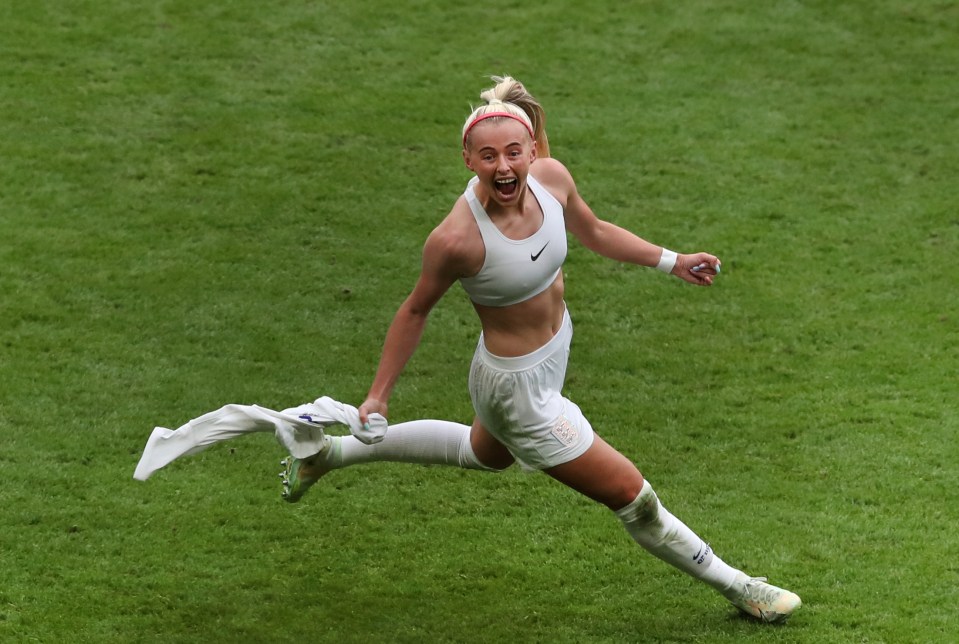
[(665, 536), (431, 442)]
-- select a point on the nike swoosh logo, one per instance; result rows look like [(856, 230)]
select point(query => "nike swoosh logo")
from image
[(536, 256)]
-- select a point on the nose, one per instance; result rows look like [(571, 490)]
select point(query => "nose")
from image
[(502, 165)]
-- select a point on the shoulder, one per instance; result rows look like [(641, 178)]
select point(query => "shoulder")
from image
[(549, 169), (555, 177), (455, 246)]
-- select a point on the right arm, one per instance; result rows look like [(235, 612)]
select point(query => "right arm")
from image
[(443, 263), (614, 242)]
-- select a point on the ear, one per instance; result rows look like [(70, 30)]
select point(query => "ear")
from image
[(532, 152), (466, 159)]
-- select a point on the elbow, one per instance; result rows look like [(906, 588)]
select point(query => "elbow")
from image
[(414, 311)]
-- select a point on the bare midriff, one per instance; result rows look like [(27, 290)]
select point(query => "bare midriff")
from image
[(519, 329)]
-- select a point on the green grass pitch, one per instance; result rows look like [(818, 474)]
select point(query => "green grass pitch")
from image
[(203, 203)]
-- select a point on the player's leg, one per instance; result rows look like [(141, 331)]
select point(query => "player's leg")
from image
[(606, 476), (427, 441), (488, 451)]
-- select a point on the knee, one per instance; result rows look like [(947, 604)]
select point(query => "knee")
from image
[(495, 457), (488, 452), (499, 463), (623, 490)]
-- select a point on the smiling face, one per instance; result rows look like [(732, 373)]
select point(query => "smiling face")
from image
[(500, 152)]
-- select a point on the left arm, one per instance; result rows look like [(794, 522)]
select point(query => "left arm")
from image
[(608, 239)]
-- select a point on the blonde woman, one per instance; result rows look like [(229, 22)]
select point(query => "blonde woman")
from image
[(504, 241)]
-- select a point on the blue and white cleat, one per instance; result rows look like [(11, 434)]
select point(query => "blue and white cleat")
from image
[(300, 474), (764, 601)]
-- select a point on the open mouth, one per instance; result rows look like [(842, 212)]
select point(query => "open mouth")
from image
[(506, 187)]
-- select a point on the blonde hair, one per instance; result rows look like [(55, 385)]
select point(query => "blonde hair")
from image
[(510, 99)]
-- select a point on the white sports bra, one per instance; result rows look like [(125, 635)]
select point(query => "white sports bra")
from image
[(517, 269)]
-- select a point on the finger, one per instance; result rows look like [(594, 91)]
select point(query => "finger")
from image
[(706, 267)]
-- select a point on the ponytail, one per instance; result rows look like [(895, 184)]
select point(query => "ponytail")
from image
[(509, 98)]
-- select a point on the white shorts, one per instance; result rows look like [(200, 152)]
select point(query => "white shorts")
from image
[(519, 401)]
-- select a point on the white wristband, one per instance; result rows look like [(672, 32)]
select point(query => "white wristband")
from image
[(667, 261)]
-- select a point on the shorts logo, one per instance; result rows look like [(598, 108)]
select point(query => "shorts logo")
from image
[(564, 431)]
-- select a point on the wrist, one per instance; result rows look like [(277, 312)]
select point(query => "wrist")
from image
[(378, 399), (667, 261)]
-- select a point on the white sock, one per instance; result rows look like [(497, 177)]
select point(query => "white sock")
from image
[(668, 538), (431, 442)]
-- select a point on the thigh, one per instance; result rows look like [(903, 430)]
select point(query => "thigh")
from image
[(602, 474), (488, 449)]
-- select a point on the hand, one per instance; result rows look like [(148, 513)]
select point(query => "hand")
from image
[(372, 406), (697, 268)]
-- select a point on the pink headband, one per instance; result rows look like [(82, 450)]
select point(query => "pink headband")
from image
[(489, 115)]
